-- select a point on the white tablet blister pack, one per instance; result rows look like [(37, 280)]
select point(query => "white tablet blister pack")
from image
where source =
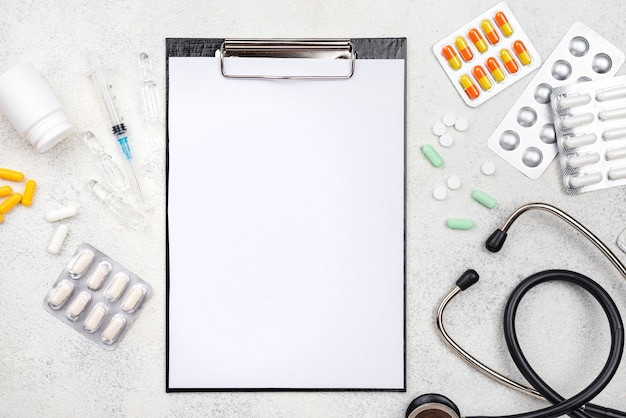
[(526, 138), (487, 55), (590, 124), (97, 296)]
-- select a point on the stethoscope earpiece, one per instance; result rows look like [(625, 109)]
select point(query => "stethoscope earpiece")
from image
[(432, 405)]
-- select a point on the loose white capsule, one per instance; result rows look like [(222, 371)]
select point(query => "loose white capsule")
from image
[(95, 317), (113, 329), (117, 286), (60, 294), (78, 305), (61, 213), (134, 298), (99, 275), (80, 263), (57, 239)]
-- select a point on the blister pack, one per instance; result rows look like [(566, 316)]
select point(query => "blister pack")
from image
[(487, 55), (590, 124), (525, 138), (97, 296)]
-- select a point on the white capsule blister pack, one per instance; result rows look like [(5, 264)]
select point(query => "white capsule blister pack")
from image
[(590, 123), (97, 296), (526, 137)]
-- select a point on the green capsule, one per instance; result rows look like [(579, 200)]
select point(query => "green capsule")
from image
[(432, 155), (460, 223), (484, 199)]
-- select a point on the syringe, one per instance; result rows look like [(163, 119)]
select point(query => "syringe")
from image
[(118, 127)]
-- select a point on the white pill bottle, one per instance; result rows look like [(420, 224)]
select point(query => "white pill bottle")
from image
[(31, 106)]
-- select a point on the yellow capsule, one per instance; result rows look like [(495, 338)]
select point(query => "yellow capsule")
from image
[(504, 24), (481, 76), (10, 202), (11, 175), (29, 192), (5, 191)]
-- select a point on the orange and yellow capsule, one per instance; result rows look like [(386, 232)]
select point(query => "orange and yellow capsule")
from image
[(470, 88), (509, 61), (464, 49), (496, 71), (522, 53), (453, 59), (10, 202), (490, 32), (481, 76), (478, 40), (29, 193), (503, 23)]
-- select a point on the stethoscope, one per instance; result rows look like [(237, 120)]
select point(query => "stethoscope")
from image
[(438, 406)]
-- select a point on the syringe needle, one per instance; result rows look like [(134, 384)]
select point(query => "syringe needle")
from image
[(137, 185)]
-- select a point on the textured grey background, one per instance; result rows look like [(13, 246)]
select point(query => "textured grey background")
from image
[(47, 369)]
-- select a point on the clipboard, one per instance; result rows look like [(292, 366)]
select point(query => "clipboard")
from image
[(286, 179)]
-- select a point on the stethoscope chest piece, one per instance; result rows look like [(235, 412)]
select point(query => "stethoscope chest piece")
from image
[(432, 405)]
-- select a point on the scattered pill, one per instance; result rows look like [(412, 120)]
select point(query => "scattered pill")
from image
[(10, 203), (585, 180), (446, 140), (432, 155), (496, 71), (488, 168), (78, 305), (609, 134), (95, 317), (117, 286), (60, 294), (57, 239), (469, 87), (483, 79), (29, 193), (449, 119), (99, 275), (460, 223), (113, 329), (582, 160), (11, 175), (490, 32), (61, 213), (461, 124), (509, 61), (619, 113), (5, 191), (464, 49), (80, 263), (522, 53), (577, 120), (454, 182), (478, 40), (439, 128), (611, 94), (484, 199), (574, 100), (134, 298), (503, 23), (440, 193), (453, 59)]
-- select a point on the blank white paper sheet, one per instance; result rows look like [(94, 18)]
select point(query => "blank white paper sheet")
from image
[(286, 229)]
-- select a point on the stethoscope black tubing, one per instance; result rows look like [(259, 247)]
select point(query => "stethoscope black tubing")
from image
[(566, 406)]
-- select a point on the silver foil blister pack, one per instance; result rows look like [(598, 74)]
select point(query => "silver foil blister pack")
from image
[(590, 124), (97, 296), (526, 137)]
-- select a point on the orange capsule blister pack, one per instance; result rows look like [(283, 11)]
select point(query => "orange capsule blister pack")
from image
[(487, 55)]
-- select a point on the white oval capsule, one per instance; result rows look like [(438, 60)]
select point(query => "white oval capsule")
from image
[(113, 329), (60, 294), (95, 317), (78, 305), (616, 133), (574, 101), (610, 114), (134, 298), (99, 275), (57, 239), (616, 153), (611, 94), (580, 140), (577, 120), (61, 213), (80, 263), (585, 180), (617, 173), (583, 160), (117, 286)]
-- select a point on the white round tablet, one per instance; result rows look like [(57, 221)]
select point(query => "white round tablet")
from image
[(454, 182), (488, 168), (440, 193), (439, 128), (446, 140), (461, 124), (449, 119)]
